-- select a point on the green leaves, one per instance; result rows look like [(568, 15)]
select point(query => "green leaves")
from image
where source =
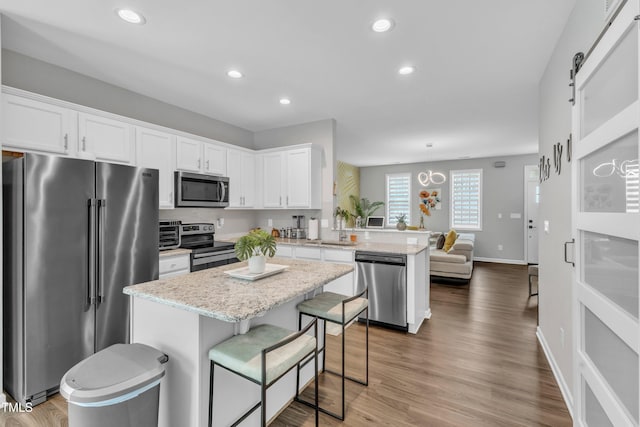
[(363, 207), (257, 242)]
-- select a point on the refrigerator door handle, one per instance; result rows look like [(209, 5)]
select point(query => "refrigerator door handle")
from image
[(91, 287), (99, 249)]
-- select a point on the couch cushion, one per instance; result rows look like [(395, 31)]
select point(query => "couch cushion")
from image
[(448, 268), (449, 240), (440, 241), (463, 245), (441, 256)]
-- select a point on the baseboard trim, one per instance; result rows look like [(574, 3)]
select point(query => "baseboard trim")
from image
[(565, 390), (500, 260)]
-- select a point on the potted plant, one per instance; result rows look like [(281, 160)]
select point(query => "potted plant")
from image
[(401, 224), (341, 216), (363, 208), (255, 247)]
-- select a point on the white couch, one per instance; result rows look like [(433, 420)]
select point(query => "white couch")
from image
[(458, 262)]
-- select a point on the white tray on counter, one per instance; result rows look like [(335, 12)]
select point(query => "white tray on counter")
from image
[(269, 270)]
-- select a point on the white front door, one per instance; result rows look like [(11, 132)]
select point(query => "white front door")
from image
[(606, 119), (532, 201)]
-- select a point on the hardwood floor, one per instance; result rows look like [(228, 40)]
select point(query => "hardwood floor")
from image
[(475, 363)]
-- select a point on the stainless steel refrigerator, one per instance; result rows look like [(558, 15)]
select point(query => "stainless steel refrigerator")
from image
[(75, 233)]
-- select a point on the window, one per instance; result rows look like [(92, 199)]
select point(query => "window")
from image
[(466, 199), (398, 197)]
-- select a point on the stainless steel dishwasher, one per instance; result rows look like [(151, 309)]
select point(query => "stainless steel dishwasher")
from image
[(386, 276)]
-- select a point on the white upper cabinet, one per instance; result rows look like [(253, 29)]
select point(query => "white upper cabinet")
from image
[(105, 139), (273, 183), (215, 159), (157, 150), (292, 178), (200, 157), (188, 155), (304, 178), (38, 126), (241, 170)]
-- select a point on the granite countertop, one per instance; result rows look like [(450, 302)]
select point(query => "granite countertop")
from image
[(172, 252), (395, 248), (214, 294)]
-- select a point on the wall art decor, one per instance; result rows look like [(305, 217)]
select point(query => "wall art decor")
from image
[(430, 200)]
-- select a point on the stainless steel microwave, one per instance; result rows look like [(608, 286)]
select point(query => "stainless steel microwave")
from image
[(201, 191)]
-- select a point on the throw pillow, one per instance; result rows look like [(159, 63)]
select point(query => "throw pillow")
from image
[(449, 240), (440, 242)]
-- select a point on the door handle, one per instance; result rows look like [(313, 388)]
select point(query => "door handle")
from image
[(66, 141), (223, 190), (207, 164), (91, 280), (198, 163), (571, 242), (84, 143), (101, 203)]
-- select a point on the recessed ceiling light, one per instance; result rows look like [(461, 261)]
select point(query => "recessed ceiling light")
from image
[(382, 25), (131, 16), (285, 101), (235, 74), (406, 70)]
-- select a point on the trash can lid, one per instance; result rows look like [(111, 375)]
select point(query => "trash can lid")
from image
[(113, 375)]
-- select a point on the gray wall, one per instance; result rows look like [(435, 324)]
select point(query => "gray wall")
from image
[(502, 190), (321, 133), (556, 277), (33, 75)]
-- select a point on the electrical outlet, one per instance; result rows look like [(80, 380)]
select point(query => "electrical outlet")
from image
[(562, 337), (499, 216), (324, 223), (269, 222), (499, 247), (546, 226)]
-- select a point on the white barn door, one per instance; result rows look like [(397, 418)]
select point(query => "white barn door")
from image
[(606, 119)]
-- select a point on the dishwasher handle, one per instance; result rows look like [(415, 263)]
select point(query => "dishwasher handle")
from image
[(388, 259)]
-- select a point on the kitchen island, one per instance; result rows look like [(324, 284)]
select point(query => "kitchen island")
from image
[(185, 316)]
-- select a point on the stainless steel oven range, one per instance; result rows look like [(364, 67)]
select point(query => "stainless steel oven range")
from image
[(205, 251)]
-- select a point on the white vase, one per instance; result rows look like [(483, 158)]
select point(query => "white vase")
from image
[(257, 264)]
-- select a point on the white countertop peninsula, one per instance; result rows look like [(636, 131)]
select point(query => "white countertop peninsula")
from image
[(185, 316)]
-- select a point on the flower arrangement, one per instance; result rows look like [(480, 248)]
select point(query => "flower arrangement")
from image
[(429, 200)]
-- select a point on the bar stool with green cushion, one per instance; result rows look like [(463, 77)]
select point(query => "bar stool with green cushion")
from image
[(264, 355), (341, 310)]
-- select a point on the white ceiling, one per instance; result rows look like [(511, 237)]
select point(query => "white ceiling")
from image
[(474, 92)]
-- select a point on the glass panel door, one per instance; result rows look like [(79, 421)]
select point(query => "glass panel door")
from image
[(606, 119)]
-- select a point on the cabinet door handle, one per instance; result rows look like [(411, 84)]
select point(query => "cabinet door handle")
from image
[(280, 202), (66, 141), (198, 163), (170, 196), (207, 164), (84, 143)]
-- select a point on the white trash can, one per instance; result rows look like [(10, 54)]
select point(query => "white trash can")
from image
[(118, 386)]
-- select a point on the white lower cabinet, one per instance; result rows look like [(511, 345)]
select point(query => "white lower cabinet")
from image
[(344, 285), (157, 150), (173, 265)]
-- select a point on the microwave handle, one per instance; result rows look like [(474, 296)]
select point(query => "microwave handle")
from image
[(223, 190)]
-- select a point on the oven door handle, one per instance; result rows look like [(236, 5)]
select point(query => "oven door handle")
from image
[(213, 254)]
